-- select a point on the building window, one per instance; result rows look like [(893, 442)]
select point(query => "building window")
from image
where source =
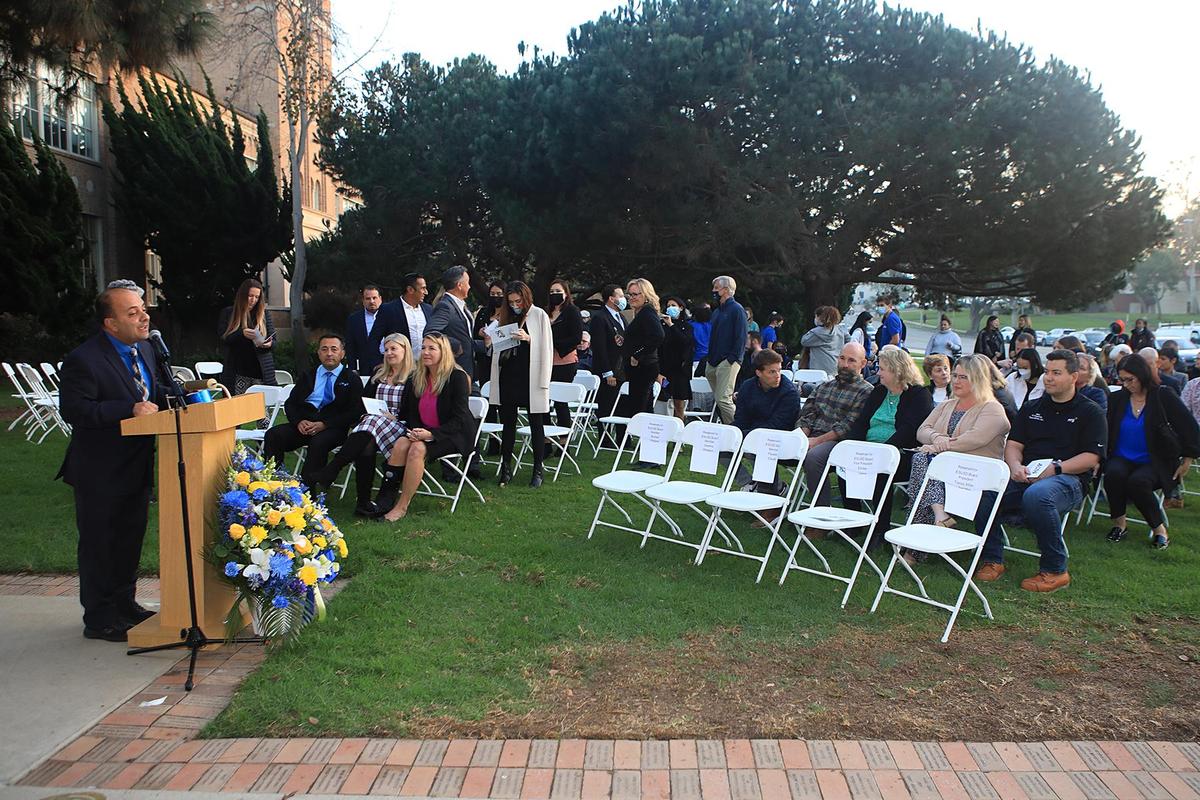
[(93, 259), (153, 278), (65, 122), (317, 200)]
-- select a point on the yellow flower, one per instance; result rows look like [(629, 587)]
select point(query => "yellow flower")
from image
[(237, 531), (295, 519), (319, 542), (308, 575), (292, 484), (273, 517), (243, 479), (254, 487), (274, 485), (341, 548), (257, 534), (302, 545), (326, 524)]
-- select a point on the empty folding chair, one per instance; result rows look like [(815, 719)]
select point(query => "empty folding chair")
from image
[(704, 444), (32, 416), (860, 464), (656, 435), (488, 431), (966, 478), (209, 369), (457, 463), (809, 376), (182, 373), (572, 394), (44, 401), (51, 374), (283, 378), (701, 388), (273, 400), (586, 410), (613, 419), (768, 448)]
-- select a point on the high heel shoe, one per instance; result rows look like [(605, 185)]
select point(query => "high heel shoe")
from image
[(535, 482)]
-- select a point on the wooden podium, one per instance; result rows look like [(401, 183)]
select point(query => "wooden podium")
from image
[(208, 442)]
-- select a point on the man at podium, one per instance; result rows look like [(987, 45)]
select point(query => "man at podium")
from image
[(108, 378)]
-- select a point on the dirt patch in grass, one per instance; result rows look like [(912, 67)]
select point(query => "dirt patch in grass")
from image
[(990, 684)]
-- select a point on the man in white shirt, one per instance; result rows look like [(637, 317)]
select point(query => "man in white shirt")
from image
[(410, 314)]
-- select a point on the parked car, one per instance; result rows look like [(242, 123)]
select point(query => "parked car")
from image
[(1187, 339), (1054, 335), (1039, 336), (1092, 338)]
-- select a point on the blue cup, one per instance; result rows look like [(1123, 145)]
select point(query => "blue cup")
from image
[(202, 396)]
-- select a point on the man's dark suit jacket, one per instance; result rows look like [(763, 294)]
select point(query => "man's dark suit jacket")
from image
[(98, 391), (450, 322), (606, 353), (362, 348), (394, 320), (345, 410)]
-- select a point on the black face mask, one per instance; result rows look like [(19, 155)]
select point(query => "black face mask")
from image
[(716, 297), (494, 302), (556, 299)]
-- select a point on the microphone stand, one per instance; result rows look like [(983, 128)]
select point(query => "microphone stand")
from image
[(192, 637)]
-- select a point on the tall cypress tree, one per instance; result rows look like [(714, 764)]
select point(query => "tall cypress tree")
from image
[(186, 190)]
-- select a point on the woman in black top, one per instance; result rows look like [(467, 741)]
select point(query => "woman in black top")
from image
[(566, 326), (643, 338), (1141, 336), (483, 316), (989, 342), (246, 329), (675, 355)]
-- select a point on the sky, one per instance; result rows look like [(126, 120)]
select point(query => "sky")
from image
[(1141, 54)]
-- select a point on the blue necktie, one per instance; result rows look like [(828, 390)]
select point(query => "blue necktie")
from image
[(137, 373), (327, 395)]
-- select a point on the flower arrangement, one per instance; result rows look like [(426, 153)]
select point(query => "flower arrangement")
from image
[(276, 545)]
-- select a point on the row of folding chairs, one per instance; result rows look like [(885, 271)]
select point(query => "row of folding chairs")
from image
[(213, 369), (38, 392), (701, 461)]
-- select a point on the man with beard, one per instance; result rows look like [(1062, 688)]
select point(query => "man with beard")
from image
[(830, 411)]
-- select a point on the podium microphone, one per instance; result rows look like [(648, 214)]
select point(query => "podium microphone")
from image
[(163, 354)]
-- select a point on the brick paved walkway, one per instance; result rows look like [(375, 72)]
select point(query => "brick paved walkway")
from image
[(153, 747)]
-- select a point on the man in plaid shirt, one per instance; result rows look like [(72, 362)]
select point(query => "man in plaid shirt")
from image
[(829, 412)]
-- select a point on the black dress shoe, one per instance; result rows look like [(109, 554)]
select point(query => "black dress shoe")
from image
[(505, 475), (536, 481), (368, 509), (1117, 534), (114, 633), (135, 615)]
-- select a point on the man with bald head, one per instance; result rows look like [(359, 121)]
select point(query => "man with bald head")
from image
[(829, 412), (108, 378)]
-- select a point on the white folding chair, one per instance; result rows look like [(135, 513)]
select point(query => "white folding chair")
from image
[(182, 373), (701, 387), (209, 369), (488, 430), (653, 432), (706, 443), (572, 394), (612, 419), (37, 416), (283, 378), (587, 409), (51, 374), (809, 376), (973, 475), (457, 463), (762, 443), (867, 461), (273, 400), (45, 402)]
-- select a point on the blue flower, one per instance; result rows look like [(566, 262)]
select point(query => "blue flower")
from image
[(231, 569), (280, 601), (281, 565), (260, 494), (236, 499), (294, 495)]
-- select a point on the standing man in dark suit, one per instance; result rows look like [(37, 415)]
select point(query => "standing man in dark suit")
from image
[(108, 378), (365, 332), (323, 405), (607, 328), (410, 314), (451, 318)]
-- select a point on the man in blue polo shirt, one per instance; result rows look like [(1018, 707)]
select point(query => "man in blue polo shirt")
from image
[(726, 345), (891, 327)]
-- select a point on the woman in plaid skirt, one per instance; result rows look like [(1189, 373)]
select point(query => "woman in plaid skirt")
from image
[(375, 433)]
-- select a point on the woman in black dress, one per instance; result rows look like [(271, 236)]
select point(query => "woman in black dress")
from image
[(675, 355), (566, 324), (643, 338), (246, 329)]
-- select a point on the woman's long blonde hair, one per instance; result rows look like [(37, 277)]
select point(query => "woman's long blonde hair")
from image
[(647, 291), (240, 318), (395, 376), (901, 363), (441, 373), (979, 375)]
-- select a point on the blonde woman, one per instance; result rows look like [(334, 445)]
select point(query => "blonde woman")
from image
[(248, 334), (643, 339), (521, 377), (439, 423), (375, 433), (972, 421), (893, 412)]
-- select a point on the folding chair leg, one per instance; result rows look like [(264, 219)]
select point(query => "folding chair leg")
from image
[(887, 576)]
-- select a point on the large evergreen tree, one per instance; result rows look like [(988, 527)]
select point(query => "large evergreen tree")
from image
[(186, 190)]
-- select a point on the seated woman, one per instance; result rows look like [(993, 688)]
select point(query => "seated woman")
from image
[(1152, 440), (893, 411), (972, 421), (375, 433), (439, 421), (1025, 383), (937, 368)]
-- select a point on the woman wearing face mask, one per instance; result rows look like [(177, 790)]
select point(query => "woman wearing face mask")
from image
[(1025, 383), (566, 325), (675, 355), (858, 332), (990, 342), (643, 338), (484, 316), (825, 340), (521, 377)]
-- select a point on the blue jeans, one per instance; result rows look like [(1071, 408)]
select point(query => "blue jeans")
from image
[(1042, 506)]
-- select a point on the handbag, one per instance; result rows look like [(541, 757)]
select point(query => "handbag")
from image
[(1163, 437)]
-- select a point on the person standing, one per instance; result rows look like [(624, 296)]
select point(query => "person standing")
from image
[(410, 314), (727, 344), (365, 332), (521, 378), (945, 341), (451, 318), (607, 327), (675, 357), (643, 338), (566, 326), (1141, 336), (751, 325), (701, 331), (248, 334), (770, 334), (825, 340), (1024, 325), (891, 327), (483, 317), (990, 342), (108, 378)]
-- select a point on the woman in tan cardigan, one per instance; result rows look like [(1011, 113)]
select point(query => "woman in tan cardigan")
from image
[(521, 377), (972, 421)]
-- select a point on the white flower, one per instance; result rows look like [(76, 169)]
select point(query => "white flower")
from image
[(260, 566)]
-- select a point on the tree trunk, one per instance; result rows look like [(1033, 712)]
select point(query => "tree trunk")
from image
[(300, 265), (978, 306)]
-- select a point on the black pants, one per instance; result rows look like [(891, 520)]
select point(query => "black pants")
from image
[(285, 438), (111, 530), (508, 437), (639, 399), (562, 373), (360, 449), (884, 523), (1124, 481)]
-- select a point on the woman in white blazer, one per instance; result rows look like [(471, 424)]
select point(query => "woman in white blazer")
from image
[(521, 376), (1025, 382)]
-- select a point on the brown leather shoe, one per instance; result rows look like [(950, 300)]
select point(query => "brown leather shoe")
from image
[(1047, 582), (1173, 502), (989, 572)]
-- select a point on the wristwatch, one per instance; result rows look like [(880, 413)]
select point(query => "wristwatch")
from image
[(1058, 467)]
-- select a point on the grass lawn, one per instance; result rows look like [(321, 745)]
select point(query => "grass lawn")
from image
[(1043, 322), (503, 619)]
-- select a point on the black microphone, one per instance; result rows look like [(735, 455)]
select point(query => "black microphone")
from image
[(160, 347), (163, 354)]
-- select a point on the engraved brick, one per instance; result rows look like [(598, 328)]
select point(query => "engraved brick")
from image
[(321, 751), (44, 773), (978, 786), (598, 754), (507, 783), (331, 779), (920, 785), (390, 780), (710, 754), (1191, 750), (431, 752), (1150, 789), (487, 753), (766, 754), (106, 750), (1092, 787), (803, 784), (158, 776), (100, 775), (685, 784), (878, 755), (376, 751), (1039, 756), (214, 778), (543, 753), (743, 784), (448, 781), (1146, 756), (656, 755), (627, 784), (1093, 755), (862, 784), (568, 784), (823, 755), (273, 778), (986, 756), (932, 756)]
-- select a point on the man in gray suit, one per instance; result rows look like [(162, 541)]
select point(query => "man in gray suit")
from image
[(451, 318)]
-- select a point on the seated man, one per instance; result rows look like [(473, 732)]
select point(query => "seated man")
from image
[(1022, 341), (768, 400), (1072, 432), (831, 410), (1168, 360), (323, 405)]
